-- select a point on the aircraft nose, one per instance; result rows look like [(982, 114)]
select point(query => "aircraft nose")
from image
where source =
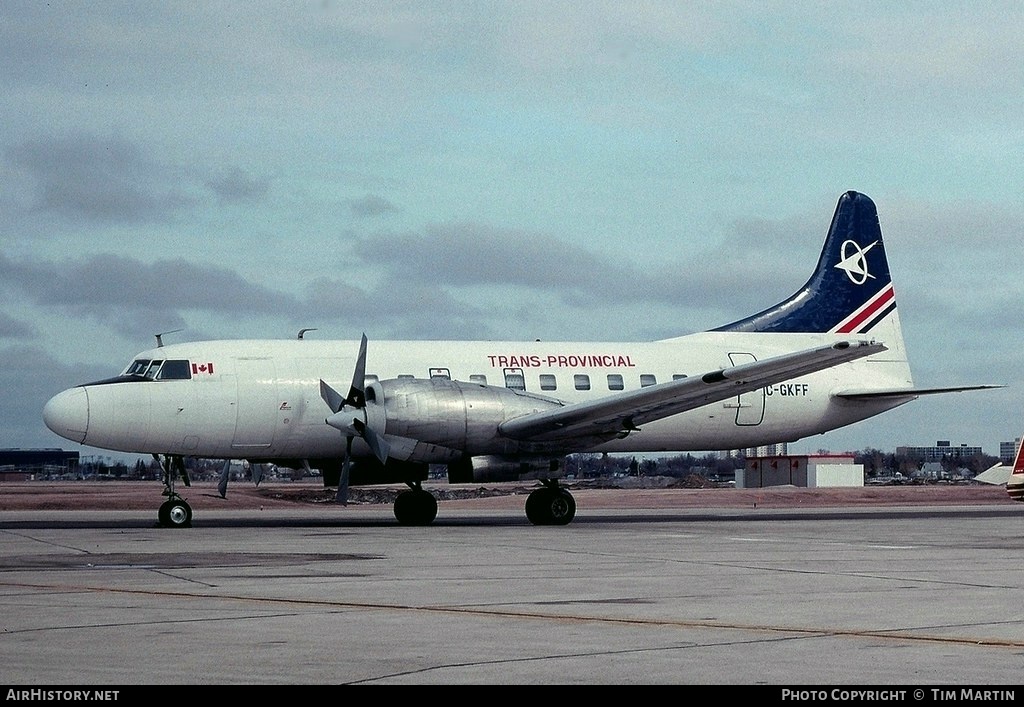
[(67, 414)]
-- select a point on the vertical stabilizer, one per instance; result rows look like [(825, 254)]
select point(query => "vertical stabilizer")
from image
[(850, 291), (1015, 484)]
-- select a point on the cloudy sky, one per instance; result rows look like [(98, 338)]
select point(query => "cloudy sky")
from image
[(584, 170)]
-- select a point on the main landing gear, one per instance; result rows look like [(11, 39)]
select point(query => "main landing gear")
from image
[(175, 511), (415, 506), (551, 504)]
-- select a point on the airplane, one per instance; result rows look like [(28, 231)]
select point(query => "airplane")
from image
[(1015, 484), (1012, 476), (830, 355)]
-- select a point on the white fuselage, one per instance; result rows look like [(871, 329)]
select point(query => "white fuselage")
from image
[(261, 399)]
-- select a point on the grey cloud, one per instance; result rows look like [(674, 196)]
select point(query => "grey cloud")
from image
[(236, 185), (397, 309), (502, 283), (136, 299), (105, 180), (30, 375), (112, 283), (11, 328), (469, 255), (370, 205)]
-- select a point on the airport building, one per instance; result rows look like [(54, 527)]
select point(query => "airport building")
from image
[(942, 450), (1008, 451), (808, 471), (21, 464), (771, 450)]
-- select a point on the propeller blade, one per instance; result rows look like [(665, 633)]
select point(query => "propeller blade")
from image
[(179, 464), (357, 392), (378, 445), (222, 485), (331, 397), (342, 495), (351, 426)]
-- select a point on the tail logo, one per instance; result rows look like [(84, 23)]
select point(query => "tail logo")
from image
[(855, 264)]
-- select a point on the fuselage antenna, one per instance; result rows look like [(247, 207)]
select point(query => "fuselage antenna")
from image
[(302, 332), (159, 337)]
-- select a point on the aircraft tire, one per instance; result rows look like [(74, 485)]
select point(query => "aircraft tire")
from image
[(415, 508), (163, 515), (563, 508), (176, 514), (550, 506)]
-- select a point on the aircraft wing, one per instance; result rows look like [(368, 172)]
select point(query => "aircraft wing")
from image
[(624, 412)]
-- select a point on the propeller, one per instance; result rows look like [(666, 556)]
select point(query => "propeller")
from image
[(222, 483), (342, 419)]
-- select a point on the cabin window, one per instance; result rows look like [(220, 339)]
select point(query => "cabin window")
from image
[(514, 379), (174, 370), (647, 379), (581, 381), (547, 382), (441, 373), (615, 382), (478, 378), (404, 376), (153, 368), (678, 376)]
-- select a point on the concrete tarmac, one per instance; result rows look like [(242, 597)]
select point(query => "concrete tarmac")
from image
[(880, 596)]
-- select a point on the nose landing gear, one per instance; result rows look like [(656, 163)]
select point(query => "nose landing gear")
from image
[(175, 511)]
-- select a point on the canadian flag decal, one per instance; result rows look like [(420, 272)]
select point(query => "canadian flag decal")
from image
[(198, 368)]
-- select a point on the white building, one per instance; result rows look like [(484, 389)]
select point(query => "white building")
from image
[(811, 471)]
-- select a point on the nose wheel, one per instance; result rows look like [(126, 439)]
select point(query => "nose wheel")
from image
[(175, 513)]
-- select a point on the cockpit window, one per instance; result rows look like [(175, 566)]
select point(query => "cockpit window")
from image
[(159, 369), (137, 368), (174, 370)]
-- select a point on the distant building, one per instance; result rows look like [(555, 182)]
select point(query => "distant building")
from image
[(769, 450), (1008, 451), (942, 450), (812, 471), (19, 464)]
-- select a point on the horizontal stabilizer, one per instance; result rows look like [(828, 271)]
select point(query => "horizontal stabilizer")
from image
[(996, 475), (881, 393)]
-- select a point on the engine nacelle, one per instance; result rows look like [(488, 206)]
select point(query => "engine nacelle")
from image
[(439, 421), (370, 471), (491, 469)]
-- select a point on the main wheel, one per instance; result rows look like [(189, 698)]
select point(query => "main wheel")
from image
[(550, 506), (562, 508), (416, 507), (163, 515)]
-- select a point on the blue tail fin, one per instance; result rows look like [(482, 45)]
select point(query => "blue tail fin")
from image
[(850, 291)]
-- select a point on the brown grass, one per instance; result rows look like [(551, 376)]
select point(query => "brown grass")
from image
[(144, 495)]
